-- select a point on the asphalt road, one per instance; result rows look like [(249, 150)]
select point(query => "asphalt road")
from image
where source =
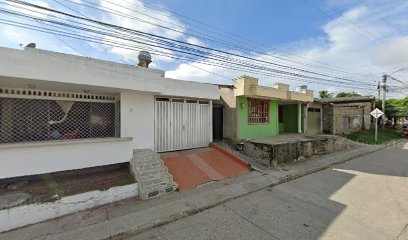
[(366, 198)]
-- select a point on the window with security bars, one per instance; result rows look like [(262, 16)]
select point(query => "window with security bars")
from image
[(258, 111), (26, 120)]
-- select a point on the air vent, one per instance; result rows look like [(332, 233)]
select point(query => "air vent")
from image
[(44, 94)]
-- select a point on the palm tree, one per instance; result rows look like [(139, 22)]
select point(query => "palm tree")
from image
[(325, 94)]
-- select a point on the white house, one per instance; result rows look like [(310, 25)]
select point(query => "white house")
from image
[(61, 112)]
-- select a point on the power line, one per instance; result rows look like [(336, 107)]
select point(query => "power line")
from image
[(212, 39), (184, 43), (249, 41), (311, 81), (176, 46), (61, 40)]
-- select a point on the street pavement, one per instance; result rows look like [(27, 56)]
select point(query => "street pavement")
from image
[(366, 198)]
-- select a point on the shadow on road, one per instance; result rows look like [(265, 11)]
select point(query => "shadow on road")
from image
[(366, 198)]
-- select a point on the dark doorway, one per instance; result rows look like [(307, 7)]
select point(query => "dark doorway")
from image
[(217, 123)]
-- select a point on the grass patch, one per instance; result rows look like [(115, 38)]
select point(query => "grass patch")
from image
[(384, 135)]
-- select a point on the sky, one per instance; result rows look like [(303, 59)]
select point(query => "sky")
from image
[(353, 39)]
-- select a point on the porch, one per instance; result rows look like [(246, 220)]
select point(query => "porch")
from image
[(289, 148), (291, 117)]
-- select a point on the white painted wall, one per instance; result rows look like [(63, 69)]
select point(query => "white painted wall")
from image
[(137, 118), (44, 68), (29, 214), (23, 159), (172, 87)]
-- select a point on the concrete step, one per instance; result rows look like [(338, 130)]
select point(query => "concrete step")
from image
[(157, 190), (148, 177), (149, 166), (149, 161), (151, 174), (156, 180)]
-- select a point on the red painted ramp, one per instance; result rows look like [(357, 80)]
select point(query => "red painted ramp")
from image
[(191, 168)]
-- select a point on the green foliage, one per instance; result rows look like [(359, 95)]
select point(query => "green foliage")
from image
[(368, 137), (325, 94), (394, 107), (346, 94)]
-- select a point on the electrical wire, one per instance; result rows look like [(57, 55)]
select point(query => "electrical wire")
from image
[(172, 45)]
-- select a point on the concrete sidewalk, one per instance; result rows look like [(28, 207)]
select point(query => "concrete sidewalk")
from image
[(132, 216)]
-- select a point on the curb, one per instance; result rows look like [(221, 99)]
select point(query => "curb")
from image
[(194, 210), (129, 225), (231, 155)]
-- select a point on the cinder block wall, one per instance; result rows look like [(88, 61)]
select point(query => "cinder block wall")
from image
[(327, 119), (367, 117), (359, 114), (229, 113), (359, 117)]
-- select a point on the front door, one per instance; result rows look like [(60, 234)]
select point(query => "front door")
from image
[(346, 125), (217, 123)]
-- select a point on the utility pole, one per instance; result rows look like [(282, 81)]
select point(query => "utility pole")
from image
[(384, 96)]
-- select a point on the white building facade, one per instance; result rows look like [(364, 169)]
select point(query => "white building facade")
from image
[(62, 112)]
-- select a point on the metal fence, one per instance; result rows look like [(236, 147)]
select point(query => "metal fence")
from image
[(26, 120)]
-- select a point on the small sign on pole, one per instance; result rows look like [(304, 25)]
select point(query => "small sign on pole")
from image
[(376, 113)]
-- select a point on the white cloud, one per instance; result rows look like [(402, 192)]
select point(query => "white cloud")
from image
[(358, 42), (157, 22), (392, 53), (195, 41), (365, 39)]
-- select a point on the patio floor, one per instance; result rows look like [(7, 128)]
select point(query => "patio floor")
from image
[(191, 168)]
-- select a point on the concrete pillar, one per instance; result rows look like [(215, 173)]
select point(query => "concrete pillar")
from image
[(305, 109), (299, 117), (321, 119), (211, 121)]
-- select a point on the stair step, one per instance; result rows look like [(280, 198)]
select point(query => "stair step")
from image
[(158, 187), (151, 173), (149, 167), (156, 184)]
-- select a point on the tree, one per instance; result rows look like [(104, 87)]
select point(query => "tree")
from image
[(394, 108), (346, 94), (325, 94)]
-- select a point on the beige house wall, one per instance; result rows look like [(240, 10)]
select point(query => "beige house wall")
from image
[(248, 86), (229, 113), (358, 113)]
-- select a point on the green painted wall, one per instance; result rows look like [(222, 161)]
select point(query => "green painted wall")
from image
[(281, 127), (250, 131)]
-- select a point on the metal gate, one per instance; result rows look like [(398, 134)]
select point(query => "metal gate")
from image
[(182, 124)]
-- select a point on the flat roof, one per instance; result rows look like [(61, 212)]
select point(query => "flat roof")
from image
[(346, 99)]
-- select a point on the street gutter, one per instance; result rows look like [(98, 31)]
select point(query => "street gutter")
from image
[(171, 210)]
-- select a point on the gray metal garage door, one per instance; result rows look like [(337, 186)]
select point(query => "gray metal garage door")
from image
[(182, 124)]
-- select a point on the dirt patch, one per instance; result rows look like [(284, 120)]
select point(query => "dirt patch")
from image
[(53, 186)]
